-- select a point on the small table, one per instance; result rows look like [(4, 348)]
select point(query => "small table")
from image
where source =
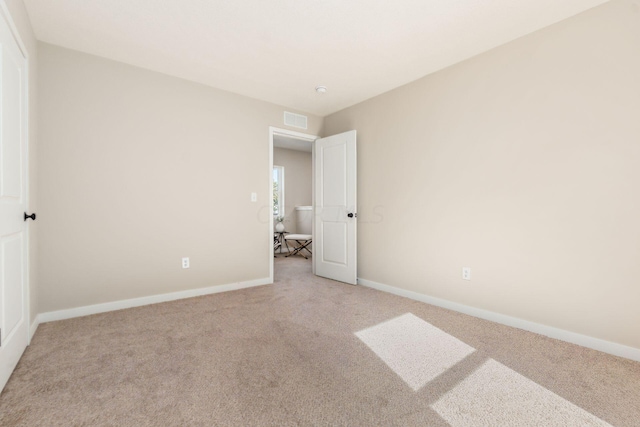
[(278, 237), (303, 241)]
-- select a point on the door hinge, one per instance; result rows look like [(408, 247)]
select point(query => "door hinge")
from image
[(0, 337)]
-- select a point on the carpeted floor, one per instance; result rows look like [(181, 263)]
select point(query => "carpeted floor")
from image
[(310, 351)]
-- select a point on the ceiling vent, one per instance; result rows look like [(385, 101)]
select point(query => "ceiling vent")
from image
[(295, 120)]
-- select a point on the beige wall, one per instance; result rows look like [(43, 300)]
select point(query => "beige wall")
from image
[(141, 169), (521, 163), (23, 25), (297, 182)]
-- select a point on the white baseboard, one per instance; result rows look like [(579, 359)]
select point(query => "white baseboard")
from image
[(137, 302), (549, 331)]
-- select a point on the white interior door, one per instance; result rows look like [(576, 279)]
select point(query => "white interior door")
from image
[(335, 232), (13, 203)]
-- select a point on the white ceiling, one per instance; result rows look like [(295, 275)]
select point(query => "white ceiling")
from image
[(280, 50)]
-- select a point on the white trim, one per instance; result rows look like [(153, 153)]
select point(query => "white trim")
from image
[(269, 208), (293, 134), (153, 299), (549, 331)]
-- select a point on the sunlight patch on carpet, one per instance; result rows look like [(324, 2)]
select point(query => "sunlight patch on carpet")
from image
[(495, 395), (414, 349)]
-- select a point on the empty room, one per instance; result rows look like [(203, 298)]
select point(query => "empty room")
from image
[(322, 213)]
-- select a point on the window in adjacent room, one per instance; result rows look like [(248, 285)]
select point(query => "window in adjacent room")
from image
[(278, 191)]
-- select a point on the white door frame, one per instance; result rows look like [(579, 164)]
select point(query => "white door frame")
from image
[(4, 14), (291, 134)]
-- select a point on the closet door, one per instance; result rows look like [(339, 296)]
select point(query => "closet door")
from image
[(14, 324)]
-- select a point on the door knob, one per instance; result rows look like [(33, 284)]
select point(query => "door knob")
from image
[(351, 215), (32, 216)]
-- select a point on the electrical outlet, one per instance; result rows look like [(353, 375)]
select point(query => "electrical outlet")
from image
[(466, 273), (254, 197), (185, 262)]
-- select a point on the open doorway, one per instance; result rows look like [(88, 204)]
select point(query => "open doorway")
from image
[(291, 170)]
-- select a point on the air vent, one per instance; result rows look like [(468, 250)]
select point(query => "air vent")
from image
[(295, 120)]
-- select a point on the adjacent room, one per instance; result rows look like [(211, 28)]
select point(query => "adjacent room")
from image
[(292, 193), (249, 213)]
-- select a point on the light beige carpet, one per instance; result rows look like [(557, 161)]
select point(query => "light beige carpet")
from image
[(310, 351)]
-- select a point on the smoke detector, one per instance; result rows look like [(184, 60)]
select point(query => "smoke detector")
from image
[(321, 89)]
